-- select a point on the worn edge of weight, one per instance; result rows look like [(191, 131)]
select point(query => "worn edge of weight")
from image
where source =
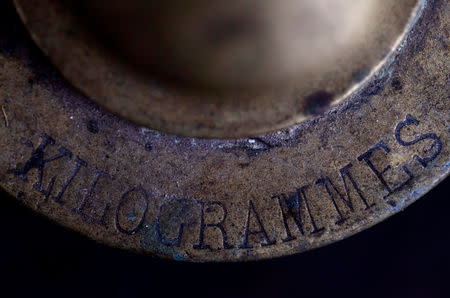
[(411, 199)]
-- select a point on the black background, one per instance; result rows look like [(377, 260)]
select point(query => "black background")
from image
[(405, 256)]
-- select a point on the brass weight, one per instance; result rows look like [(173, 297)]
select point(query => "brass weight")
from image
[(224, 130)]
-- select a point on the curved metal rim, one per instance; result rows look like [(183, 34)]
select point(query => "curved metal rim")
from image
[(118, 88), (242, 179)]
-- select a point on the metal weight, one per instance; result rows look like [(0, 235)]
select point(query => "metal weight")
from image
[(345, 168)]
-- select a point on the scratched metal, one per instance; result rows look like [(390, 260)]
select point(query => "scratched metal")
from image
[(215, 93), (227, 200)]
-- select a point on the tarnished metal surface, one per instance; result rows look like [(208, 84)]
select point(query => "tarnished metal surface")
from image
[(224, 69), (243, 199)]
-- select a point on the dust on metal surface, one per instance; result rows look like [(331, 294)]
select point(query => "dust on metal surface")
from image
[(262, 76), (220, 200)]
